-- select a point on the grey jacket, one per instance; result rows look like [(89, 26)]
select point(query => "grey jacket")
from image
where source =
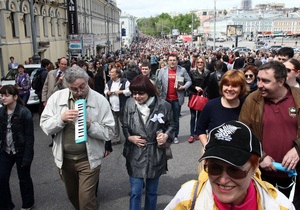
[(149, 161), (162, 82)]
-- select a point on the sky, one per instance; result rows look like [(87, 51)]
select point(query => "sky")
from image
[(148, 8)]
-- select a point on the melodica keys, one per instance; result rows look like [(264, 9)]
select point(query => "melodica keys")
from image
[(80, 124)]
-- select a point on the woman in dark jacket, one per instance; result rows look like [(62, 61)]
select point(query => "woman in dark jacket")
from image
[(16, 146), (149, 130), (250, 73), (199, 77)]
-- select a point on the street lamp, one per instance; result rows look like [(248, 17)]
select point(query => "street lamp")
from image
[(107, 19), (36, 58)]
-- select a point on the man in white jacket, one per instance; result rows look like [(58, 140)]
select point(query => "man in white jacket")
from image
[(79, 163)]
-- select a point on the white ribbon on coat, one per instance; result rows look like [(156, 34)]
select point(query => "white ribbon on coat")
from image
[(158, 117)]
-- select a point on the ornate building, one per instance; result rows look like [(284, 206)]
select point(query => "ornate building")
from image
[(16, 34), (45, 27)]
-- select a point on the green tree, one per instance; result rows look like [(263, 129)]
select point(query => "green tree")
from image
[(164, 23)]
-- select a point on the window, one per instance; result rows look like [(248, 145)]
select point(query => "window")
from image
[(13, 26)]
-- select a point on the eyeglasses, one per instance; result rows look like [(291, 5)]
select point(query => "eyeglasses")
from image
[(234, 172), (289, 70), (81, 88), (138, 92), (249, 75)]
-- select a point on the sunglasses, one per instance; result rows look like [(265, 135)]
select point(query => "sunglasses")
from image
[(234, 172), (289, 70), (249, 75), (138, 92)]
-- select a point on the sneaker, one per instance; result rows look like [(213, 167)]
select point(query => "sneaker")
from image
[(176, 141), (191, 139), (196, 137), (27, 208)]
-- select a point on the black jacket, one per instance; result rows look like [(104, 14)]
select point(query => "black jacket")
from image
[(22, 131)]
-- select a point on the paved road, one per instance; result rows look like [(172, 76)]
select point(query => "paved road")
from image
[(251, 44), (114, 183)]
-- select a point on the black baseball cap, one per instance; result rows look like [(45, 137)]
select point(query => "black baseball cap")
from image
[(232, 142)]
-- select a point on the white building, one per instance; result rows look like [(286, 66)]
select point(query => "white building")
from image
[(128, 22)]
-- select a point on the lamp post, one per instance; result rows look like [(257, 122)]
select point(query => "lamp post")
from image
[(192, 27), (36, 58), (215, 17), (107, 19)]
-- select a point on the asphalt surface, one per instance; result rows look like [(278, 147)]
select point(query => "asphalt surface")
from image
[(114, 185)]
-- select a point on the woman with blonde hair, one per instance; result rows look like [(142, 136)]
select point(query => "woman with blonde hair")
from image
[(199, 76)]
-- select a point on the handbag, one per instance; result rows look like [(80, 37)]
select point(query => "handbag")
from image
[(197, 101)]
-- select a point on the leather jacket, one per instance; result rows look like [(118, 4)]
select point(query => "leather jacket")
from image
[(149, 161), (22, 131)]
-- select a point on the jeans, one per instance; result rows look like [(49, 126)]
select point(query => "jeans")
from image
[(176, 114), (194, 119), (25, 182), (137, 192), (25, 98), (118, 117)]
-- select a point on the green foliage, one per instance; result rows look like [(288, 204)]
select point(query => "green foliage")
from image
[(164, 23)]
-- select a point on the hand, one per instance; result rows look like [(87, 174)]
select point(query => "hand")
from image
[(180, 87), (199, 89), (109, 93), (267, 164), (161, 138), (118, 92), (291, 159), (138, 140), (106, 153), (69, 115), (88, 122)]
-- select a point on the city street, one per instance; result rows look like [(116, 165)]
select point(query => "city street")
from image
[(251, 45), (114, 182)]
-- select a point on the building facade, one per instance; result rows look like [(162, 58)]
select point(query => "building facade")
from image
[(49, 19), (128, 24), (57, 28)]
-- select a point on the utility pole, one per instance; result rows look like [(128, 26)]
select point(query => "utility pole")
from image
[(215, 17), (192, 29)]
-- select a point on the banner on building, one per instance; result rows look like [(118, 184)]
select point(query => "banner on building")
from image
[(72, 17)]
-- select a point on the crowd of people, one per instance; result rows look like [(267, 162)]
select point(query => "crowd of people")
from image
[(250, 121)]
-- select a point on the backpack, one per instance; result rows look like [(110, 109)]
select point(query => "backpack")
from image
[(37, 81)]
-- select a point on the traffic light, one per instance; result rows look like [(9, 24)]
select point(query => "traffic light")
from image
[(123, 32)]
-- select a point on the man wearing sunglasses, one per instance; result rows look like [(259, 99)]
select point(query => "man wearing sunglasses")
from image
[(230, 179), (272, 113)]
